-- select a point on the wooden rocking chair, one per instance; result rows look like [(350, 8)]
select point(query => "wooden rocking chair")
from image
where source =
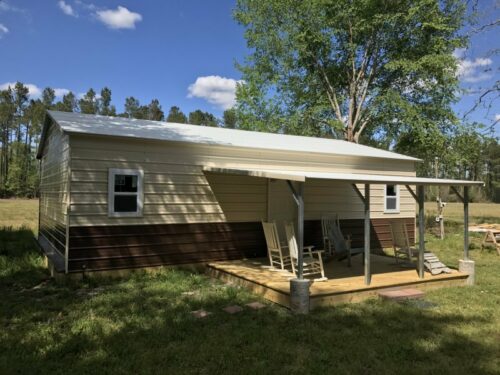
[(401, 243), (275, 249), (312, 259)]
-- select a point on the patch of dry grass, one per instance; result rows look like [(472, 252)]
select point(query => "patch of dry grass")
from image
[(478, 212), (17, 213)]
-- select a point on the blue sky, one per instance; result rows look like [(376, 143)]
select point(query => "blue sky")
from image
[(182, 52)]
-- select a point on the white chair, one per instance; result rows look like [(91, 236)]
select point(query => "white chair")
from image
[(312, 259), (401, 243), (334, 240), (275, 250)]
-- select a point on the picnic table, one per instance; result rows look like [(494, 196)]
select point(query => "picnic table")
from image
[(492, 237)]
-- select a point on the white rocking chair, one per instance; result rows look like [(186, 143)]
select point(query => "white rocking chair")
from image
[(334, 240), (275, 249), (312, 259), (401, 243)]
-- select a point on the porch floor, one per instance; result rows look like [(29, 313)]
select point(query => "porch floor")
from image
[(344, 284)]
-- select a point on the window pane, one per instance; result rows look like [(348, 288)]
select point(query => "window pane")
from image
[(391, 203), (125, 203), (391, 191), (125, 183)]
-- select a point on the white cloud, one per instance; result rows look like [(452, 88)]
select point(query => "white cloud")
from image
[(88, 6), (120, 18), (215, 89), (60, 92), (6, 7), (3, 30), (469, 70), (81, 95), (34, 90), (497, 117), (66, 8)]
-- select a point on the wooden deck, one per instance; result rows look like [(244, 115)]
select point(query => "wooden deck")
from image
[(344, 284)]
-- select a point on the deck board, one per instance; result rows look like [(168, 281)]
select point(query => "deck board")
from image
[(344, 284)]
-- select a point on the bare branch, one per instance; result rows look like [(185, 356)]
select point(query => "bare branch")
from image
[(332, 97), (479, 101), (484, 27)]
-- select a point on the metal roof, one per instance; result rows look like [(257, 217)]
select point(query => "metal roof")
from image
[(71, 122), (346, 177)]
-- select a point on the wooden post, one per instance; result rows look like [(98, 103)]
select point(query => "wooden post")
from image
[(421, 230), (466, 222), (368, 276)]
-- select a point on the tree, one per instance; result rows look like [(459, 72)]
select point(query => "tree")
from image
[(104, 103), (7, 111), (155, 111), (48, 97), (176, 115), (21, 94), (88, 104), (199, 117), (67, 104), (341, 67), (134, 109), (229, 117)]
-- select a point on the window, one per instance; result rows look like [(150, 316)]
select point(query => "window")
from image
[(125, 192), (391, 198)]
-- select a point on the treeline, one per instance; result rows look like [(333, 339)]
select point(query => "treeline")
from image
[(468, 155), (21, 121)]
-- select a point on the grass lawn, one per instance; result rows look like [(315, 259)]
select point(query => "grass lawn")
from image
[(142, 324)]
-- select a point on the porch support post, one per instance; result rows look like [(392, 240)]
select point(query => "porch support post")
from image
[(368, 276), (300, 228), (298, 196), (299, 287), (421, 230), (466, 222)]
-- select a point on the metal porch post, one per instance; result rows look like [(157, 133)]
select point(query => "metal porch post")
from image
[(368, 276), (298, 196), (466, 222), (299, 287), (300, 228), (421, 230)]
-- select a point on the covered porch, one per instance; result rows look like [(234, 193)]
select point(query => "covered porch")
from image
[(350, 283)]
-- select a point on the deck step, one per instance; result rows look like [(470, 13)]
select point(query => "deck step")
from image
[(401, 294)]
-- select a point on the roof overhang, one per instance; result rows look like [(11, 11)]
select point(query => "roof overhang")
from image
[(354, 178)]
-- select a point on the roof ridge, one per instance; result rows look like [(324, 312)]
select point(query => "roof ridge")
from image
[(75, 122)]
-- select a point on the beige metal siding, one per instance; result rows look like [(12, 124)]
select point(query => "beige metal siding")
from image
[(54, 188), (177, 191)]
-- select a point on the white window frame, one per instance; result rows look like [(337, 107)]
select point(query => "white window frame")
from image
[(112, 172), (397, 209)]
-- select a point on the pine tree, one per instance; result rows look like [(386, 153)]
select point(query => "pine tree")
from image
[(88, 104), (176, 115), (155, 111)]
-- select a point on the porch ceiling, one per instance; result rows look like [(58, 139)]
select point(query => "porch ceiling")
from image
[(346, 177)]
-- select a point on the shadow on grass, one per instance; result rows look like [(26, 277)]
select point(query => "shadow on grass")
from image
[(144, 325), (20, 259)]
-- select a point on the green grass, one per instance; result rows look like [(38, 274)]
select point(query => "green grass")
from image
[(142, 324)]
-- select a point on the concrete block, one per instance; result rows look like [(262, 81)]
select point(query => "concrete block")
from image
[(233, 309), (468, 267), (299, 296), (255, 305)]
